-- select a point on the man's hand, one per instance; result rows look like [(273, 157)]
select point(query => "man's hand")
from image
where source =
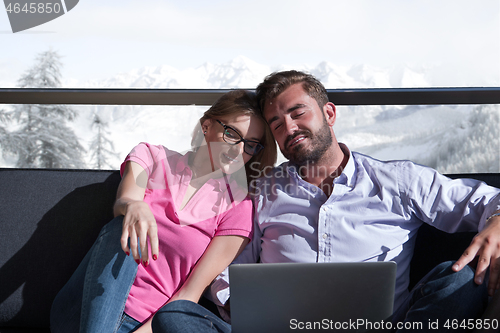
[(485, 246)]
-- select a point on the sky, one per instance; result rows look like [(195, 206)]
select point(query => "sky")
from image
[(458, 39)]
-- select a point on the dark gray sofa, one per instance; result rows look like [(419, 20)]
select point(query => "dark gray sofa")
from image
[(50, 218)]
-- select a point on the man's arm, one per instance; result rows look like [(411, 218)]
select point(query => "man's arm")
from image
[(455, 206), (485, 246)]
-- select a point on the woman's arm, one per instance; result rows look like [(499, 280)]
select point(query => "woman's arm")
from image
[(138, 221), (221, 251)]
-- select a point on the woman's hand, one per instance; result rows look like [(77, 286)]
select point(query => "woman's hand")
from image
[(139, 223)]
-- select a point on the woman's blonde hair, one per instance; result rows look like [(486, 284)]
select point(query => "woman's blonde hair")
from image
[(242, 102)]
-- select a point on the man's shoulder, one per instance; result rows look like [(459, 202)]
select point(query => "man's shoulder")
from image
[(369, 161), (402, 172), (387, 171)]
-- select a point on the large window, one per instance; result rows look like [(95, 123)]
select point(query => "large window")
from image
[(451, 138)]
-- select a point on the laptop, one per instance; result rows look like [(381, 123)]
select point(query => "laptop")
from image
[(288, 297)]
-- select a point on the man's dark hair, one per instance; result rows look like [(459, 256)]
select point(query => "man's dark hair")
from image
[(277, 82)]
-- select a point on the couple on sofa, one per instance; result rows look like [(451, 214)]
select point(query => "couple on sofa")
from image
[(182, 219)]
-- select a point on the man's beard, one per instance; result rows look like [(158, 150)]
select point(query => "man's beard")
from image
[(320, 143)]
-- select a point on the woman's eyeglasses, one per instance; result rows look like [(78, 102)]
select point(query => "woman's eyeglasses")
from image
[(232, 137)]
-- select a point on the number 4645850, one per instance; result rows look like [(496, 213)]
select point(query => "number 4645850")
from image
[(34, 8)]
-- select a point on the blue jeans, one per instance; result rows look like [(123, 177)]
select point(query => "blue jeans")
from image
[(127, 324), (187, 317), (440, 296), (94, 298)]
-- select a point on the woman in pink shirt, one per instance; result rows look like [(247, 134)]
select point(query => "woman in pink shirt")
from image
[(180, 220)]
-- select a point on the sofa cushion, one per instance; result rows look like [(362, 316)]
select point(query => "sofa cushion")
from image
[(48, 221)]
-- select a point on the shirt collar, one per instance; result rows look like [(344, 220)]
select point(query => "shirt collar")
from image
[(347, 177), (183, 163), (220, 184), (349, 171)]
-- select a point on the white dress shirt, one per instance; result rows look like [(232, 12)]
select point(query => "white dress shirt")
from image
[(372, 214)]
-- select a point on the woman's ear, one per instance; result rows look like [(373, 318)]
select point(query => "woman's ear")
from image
[(206, 125)]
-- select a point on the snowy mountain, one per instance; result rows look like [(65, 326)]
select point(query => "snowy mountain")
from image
[(449, 138), (242, 72)]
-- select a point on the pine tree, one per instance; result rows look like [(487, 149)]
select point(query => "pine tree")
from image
[(101, 147), (43, 139), (477, 149), (5, 138)]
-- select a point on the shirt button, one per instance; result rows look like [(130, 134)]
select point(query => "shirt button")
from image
[(325, 236)]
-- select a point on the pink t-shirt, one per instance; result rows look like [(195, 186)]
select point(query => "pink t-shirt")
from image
[(183, 234)]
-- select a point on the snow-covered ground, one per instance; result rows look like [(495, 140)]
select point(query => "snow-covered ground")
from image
[(462, 138)]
